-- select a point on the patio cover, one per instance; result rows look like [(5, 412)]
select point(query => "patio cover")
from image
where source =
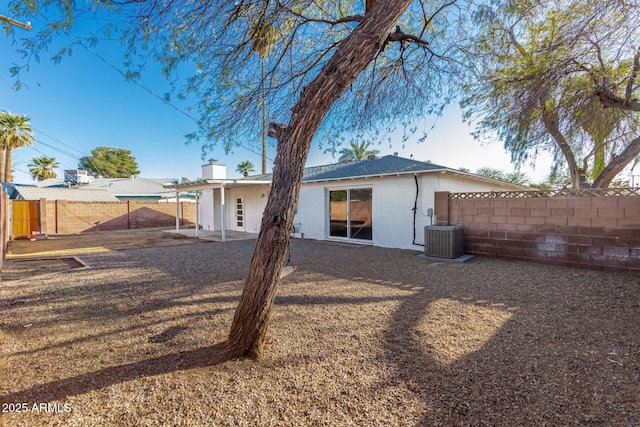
[(210, 184)]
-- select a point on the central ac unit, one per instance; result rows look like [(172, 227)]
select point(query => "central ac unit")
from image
[(444, 241)]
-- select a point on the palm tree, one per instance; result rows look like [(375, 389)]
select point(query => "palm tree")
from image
[(42, 168), (245, 167), (15, 132), (357, 152), (263, 35)]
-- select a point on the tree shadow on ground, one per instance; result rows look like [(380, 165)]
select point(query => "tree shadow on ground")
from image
[(84, 383), (505, 343), (560, 346)]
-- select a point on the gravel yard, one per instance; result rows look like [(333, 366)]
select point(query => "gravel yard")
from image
[(360, 336)]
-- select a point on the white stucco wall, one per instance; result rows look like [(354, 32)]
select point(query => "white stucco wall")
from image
[(393, 201), (210, 209), (255, 200), (392, 207)]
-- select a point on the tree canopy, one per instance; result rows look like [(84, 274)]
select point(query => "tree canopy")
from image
[(245, 167), (511, 177), (208, 53), (43, 167), (15, 132), (357, 151), (560, 76), (109, 162)]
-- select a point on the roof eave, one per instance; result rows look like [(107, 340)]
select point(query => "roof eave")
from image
[(378, 175), (203, 184)]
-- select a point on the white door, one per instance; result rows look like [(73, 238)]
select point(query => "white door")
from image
[(240, 221)]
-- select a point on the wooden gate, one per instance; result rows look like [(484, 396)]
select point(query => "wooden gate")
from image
[(25, 218)]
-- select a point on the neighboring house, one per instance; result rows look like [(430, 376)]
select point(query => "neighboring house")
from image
[(123, 189), (385, 202), (27, 192)]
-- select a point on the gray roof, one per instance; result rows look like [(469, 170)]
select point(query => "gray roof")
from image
[(119, 187), (70, 194), (384, 166), (387, 165)]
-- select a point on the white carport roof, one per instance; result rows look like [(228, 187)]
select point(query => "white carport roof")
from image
[(207, 184)]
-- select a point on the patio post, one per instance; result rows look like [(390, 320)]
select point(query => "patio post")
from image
[(197, 216), (222, 215), (177, 211)]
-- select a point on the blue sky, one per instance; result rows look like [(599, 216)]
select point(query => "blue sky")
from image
[(82, 103)]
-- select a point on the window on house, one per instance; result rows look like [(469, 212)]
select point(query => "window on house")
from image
[(350, 213)]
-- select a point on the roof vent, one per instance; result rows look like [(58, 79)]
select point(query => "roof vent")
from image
[(77, 176)]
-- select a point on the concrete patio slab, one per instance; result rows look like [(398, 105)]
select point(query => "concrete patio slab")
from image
[(215, 236)]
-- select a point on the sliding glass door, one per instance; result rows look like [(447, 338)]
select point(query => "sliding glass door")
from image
[(338, 213), (360, 218), (350, 213)]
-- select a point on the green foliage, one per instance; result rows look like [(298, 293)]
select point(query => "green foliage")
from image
[(539, 70), (515, 177), (558, 178), (245, 167), (15, 132), (207, 52), (110, 162), (263, 36), (357, 152), (43, 167)]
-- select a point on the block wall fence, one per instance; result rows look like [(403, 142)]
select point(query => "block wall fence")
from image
[(64, 217), (592, 229)]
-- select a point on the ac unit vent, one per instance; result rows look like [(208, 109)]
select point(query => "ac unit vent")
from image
[(444, 241)]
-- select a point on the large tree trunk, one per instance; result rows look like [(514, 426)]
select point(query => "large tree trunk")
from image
[(551, 123), (251, 320)]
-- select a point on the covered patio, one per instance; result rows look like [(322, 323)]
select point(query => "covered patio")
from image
[(212, 198)]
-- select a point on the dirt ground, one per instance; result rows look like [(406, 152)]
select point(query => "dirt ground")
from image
[(26, 258), (359, 336), (84, 243)]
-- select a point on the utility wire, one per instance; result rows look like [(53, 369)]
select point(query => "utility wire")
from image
[(109, 64), (137, 83)]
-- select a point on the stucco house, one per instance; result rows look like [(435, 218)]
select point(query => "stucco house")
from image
[(385, 202)]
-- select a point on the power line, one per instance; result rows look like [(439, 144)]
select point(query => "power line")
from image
[(137, 83), (52, 147), (60, 142), (108, 63), (46, 155), (123, 74)]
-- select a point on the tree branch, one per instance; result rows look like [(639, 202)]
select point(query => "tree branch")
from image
[(306, 20), (276, 130), (399, 36), (551, 123), (611, 100), (617, 164), (632, 77)]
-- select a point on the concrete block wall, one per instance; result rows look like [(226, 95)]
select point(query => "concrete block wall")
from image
[(63, 217), (596, 232)]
